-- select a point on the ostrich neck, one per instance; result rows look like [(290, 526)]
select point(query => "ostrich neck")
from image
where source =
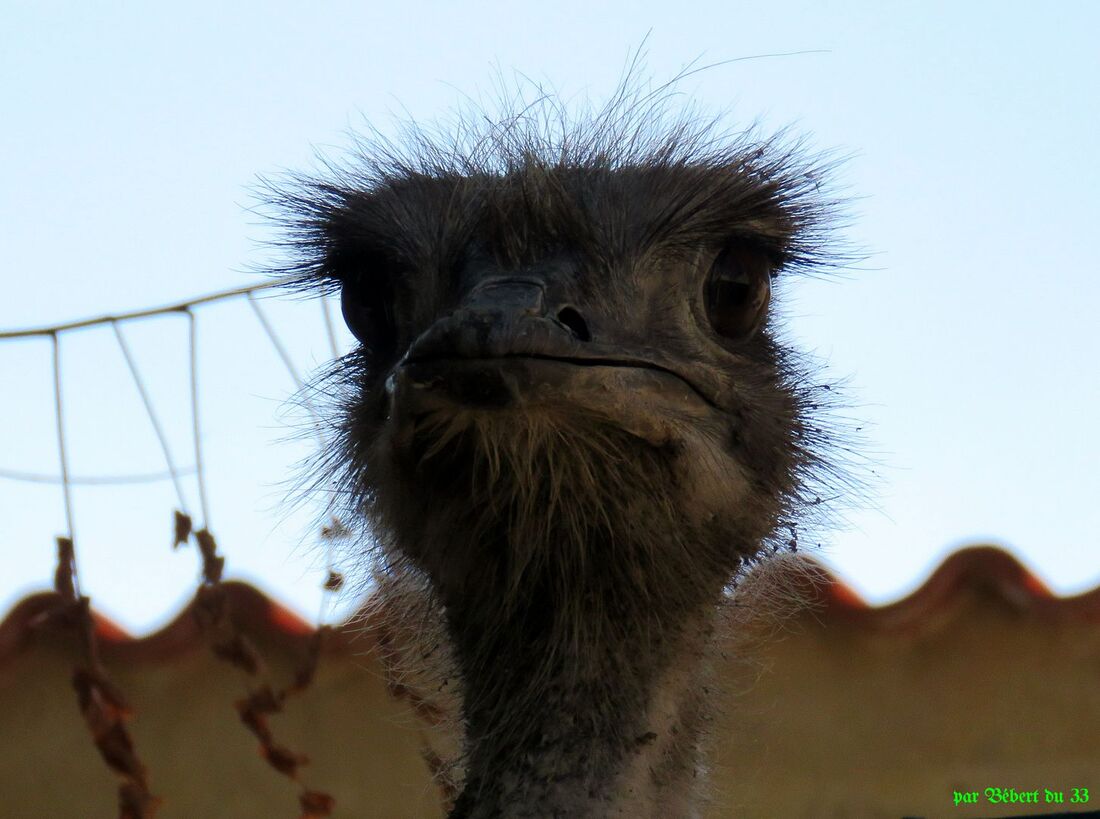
[(584, 699)]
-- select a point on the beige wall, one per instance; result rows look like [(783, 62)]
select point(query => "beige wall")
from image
[(977, 680)]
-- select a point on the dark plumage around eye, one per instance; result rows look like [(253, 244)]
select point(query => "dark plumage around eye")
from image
[(366, 306), (737, 292)]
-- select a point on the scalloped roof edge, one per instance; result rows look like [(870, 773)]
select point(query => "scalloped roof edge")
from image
[(985, 569)]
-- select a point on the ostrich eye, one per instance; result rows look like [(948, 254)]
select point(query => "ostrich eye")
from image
[(737, 292), (368, 313)]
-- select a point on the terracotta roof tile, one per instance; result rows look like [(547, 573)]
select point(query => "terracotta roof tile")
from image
[(981, 570)]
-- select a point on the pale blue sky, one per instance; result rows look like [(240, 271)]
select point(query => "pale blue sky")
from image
[(969, 337)]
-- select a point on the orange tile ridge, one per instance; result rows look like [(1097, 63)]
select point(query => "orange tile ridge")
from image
[(984, 570)]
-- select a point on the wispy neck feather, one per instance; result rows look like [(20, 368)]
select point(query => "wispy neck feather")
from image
[(574, 589)]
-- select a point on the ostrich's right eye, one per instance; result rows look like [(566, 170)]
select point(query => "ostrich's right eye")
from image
[(368, 312), (737, 292)]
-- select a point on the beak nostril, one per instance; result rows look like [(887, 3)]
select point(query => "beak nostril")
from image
[(573, 320)]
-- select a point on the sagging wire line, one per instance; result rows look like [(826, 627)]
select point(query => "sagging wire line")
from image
[(278, 345), (273, 337), (186, 307), (196, 426), (102, 705), (329, 331), (174, 473), (94, 480), (178, 307), (336, 530), (63, 455), (334, 580), (140, 384)]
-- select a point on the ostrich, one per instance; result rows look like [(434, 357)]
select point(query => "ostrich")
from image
[(569, 424)]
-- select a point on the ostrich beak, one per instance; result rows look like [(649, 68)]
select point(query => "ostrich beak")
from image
[(503, 350)]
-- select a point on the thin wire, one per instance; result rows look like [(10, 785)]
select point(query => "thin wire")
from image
[(327, 595), (53, 331), (179, 307), (328, 327), (196, 426), (281, 350), (277, 344), (92, 480), (62, 453), (174, 472), (152, 415)]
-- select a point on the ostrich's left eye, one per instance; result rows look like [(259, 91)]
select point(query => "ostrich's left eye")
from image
[(737, 292), (368, 312)]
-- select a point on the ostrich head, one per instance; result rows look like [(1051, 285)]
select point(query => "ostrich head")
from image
[(569, 413)]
